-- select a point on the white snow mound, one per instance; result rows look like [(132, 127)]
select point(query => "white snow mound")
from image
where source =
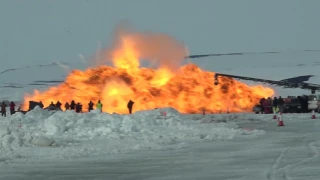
[(67, 134)]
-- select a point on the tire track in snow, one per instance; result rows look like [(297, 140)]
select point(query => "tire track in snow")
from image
[(284, 172), (290, 167), (274, 171)]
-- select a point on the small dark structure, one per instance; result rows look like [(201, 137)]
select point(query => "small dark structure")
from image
[(33, 104)]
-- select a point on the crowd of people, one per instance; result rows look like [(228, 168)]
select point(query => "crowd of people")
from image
[(276, 104), (77, 107), (267, 105)]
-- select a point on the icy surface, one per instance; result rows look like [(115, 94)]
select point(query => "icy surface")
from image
[(60, 135), (147, 145)]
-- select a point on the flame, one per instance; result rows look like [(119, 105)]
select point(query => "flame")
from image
[(187, 89)]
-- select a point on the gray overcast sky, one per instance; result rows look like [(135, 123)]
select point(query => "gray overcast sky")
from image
[(43, 31)]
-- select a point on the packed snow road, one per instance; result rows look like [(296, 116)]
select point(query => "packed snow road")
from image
[(281, 153)]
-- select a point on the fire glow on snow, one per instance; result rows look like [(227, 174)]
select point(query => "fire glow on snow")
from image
[(187, 89), (69, 134)]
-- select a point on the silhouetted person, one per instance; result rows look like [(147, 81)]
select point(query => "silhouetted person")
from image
[(12, 108), (72, 105), (275, 104), (90, 106), (262, 104), (280, 103), (129, 106), (67, 106), (3, 109), (78, 107), (41, 104), (58, 104), (52, 106)]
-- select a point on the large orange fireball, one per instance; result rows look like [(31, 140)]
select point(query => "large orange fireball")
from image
[(187, 89)]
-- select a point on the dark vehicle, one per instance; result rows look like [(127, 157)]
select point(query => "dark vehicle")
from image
[(292, 105), (33, 104)]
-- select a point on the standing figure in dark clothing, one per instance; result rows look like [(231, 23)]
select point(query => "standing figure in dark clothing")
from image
[(3, 109), (275, 105), (261, 105), (130, 105), (78, 108), (72, 105), (51, 106), (280, 103), (67, 106), (12, 108), (90, 106), (58, 104), (41, 104)]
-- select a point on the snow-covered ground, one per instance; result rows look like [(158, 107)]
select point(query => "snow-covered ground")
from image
[(149, 145), (70, 134)]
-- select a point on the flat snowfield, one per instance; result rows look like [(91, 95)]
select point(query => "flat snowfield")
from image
[(149, 145)]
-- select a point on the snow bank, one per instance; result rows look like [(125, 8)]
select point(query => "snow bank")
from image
[(67, 134)]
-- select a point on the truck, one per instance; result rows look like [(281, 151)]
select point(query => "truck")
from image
[(292, 105)]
